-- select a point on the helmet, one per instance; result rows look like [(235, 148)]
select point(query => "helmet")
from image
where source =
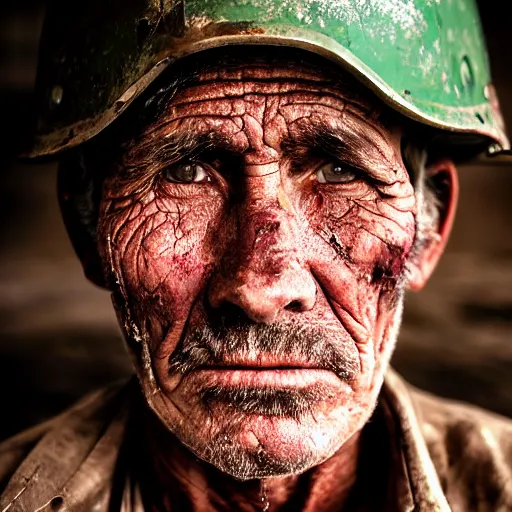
[(424, 58)]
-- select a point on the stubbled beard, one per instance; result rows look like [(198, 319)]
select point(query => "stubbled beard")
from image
[(211, 346), (216, 435), (221, 418), (291, 403), (229, 456)]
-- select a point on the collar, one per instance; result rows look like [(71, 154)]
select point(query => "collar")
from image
[(417, 483)]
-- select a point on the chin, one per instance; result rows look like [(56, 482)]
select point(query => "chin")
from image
[(250, 446)]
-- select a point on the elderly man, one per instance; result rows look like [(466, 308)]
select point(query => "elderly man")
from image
[(283, 174)]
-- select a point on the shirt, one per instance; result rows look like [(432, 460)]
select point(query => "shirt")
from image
[(447, 456)]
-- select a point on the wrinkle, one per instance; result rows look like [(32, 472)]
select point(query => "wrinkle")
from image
[(347, 212), (400, 204), (394, 190), (380, 237), (264, 174), (379, 214), (326, 99), (336, 307), (202, 93)]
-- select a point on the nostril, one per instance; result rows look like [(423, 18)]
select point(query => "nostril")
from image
[(227, 315), (294, 305)]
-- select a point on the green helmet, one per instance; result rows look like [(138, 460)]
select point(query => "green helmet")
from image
[(424, 58)]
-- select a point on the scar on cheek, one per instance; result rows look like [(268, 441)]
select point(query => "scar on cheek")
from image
[(334, 241)]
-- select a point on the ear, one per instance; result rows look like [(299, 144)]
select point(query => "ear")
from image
[(76, 205), (443, 174)]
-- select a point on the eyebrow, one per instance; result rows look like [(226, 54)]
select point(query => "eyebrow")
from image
[(145, 157), (355, 147), (346, 142), (184, 144)]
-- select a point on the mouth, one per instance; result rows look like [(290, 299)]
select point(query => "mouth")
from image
[(265, 391), (280, 377), (264, 355)]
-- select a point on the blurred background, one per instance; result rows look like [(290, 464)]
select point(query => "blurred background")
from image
[(58, 334)]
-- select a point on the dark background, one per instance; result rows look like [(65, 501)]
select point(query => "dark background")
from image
[(58, 334)]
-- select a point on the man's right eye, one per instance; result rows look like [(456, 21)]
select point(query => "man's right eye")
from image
[(186, 173)]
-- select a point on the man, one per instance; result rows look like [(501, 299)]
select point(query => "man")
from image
[(283, 173)]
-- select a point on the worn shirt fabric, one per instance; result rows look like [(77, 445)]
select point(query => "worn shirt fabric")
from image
[(447, 456)]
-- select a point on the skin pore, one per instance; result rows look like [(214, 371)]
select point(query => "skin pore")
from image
[(256, 237)]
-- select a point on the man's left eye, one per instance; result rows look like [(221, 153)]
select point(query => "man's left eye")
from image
[(336, 173), (186, 173)]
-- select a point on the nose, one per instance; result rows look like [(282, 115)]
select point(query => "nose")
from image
[(263, 273)]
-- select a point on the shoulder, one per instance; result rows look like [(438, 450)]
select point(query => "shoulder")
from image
[(471, 449), (15, 449), (62, 441)]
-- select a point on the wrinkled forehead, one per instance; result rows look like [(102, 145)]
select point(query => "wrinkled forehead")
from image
[(262, 66), (278, 63)]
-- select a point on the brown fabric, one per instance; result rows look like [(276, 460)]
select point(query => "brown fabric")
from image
[(447, 456)]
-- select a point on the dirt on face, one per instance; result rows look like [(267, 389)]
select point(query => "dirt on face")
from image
[(268, 206)]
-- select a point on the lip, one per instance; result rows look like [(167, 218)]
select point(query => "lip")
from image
[(268, 377), (256, 360)]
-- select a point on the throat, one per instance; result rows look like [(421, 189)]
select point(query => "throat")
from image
[(173, 478)]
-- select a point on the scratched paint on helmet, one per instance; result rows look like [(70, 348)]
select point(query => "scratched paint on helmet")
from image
[(430, 54), (381, 32), (400, 15), (425, 58)]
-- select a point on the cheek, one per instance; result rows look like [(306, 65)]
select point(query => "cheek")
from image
[(359, 248), (368, 233), (159, 251)]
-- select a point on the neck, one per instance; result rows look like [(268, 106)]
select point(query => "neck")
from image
[(180, 481)]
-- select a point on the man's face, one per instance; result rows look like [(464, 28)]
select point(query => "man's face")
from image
[(257, 234)]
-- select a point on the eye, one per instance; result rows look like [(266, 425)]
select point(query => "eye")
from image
[(186, 173), (336, 173)]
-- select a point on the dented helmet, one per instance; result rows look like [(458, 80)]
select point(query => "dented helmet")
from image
[(426, 59)]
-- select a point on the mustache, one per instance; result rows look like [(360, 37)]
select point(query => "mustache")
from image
[(267, 401), (212, 346)]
